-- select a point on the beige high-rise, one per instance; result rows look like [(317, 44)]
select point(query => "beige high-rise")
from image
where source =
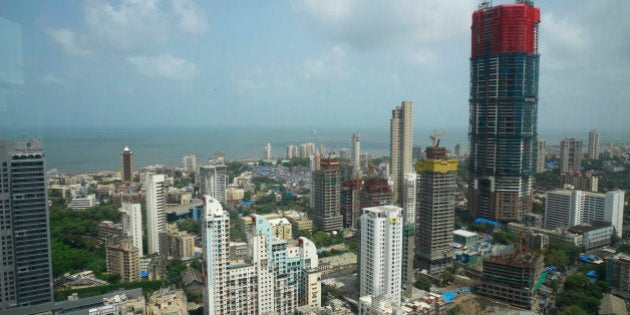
[(400, 145)]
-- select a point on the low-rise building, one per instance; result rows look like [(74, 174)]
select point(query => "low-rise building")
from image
[(595, 234), (176, 243), (82, 203), (167, 302)]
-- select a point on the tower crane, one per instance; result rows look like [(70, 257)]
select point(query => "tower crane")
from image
[(435, 136)]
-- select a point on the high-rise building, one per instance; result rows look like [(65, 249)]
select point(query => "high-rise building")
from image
[(355, 152), (375, 192), (504, 67), (26, 272), (400, 146), (618, 275), (409, 204), (213, 179), (216, 255), (307, 149), (436, 210), (593, 145), (155, 203), (126, 165), (326, 196), (189, 163), (381, 252), (267, 152), (570, 155), (292, 151), (458, 151), (541, 153), (276, 278), (132, 224), (568, 208), (350, 207), (122, 259)]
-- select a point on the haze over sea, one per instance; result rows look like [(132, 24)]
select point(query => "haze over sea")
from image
[(82, 150)]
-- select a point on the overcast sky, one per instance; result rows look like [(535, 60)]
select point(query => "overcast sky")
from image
[(325, 63)]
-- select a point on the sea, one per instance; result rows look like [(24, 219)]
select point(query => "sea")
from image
[(83, 150)]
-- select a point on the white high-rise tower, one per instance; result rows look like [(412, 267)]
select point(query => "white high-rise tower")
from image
[(132, 224), (355, 152), (216, 253), (155, 201), (381, 251)]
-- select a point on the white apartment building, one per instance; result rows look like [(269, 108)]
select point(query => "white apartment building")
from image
[(381, 251), (189, 163), (213, 179), (132, 224), (155, 203), (567, 208), (216, 253)]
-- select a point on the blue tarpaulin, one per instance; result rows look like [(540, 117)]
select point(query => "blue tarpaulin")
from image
[(592, 274), (486, 221)]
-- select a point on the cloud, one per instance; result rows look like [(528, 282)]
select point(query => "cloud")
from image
[(138, 25), (327, 67), (52, 79), (164, 66), (191, 18), (69, 42), (375, 23)]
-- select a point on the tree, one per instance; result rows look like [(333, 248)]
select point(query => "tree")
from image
[(423, 282), (572, 310)]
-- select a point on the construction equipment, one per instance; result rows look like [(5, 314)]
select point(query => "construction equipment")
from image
[(435, 137)]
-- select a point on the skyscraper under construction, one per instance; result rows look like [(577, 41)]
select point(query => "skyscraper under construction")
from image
[(504, 67)]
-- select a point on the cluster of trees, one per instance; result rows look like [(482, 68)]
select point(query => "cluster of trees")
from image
[(580, 295), (560, 254), (74, 246)]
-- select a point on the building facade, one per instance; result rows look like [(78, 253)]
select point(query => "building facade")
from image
[(504, 68), (570, 155), (126, 165), (132, 224), (122, 259), (213, 179), (568, 208), (326, 196), (155, 204), (26, 271), (593, 145), (189, 163), (400, 146), (355, 153), (540, 155), (381, 252), (436, 210)]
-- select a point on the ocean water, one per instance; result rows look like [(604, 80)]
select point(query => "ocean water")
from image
[(80, 150)]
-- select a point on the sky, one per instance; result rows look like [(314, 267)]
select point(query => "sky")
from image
[(292, 63)]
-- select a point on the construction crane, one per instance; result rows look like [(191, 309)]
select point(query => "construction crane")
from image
[(435, 137), (321, 144)]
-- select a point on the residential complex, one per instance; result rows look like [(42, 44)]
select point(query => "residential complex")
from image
[(570, 155), (400, 146), (504, 67), (213, 179), (381, 252), (26, 271), (155, 202), (132, 224), (122, 259), (593, 145)]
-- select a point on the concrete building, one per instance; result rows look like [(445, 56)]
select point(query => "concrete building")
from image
[(107, 229), (375, 192), (381, 252), (213, 179), (512, 279), (355, 153), (326, 196), (379, 305), (409, 204), (436, 210), (26, 271), (126, 165), (300, 224), (82, 203), (132, 224), (281, 228), (618, 275), (465, 238), (541, 153), (400, 147), (167, 301), (267, 154), (155, 203), (307, 149), (292, 151), (189, 163), (567, 208), (579, 181), (593, 145), (504, 71), (350, 205), (595, 234), (570, 155), (122, 259), (176, 243), (216, 253)]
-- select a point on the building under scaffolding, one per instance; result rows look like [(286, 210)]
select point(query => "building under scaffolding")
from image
[(326, 191), (512, 279), (504, 68)]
